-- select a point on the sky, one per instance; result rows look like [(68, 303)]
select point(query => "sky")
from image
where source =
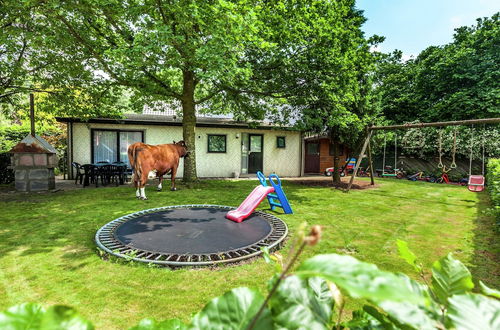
[(413, 25)]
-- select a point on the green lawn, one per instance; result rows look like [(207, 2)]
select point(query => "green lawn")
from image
[(47, 253)]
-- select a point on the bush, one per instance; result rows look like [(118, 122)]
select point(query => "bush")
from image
[(12, 135), (6, 174), (493, 181)]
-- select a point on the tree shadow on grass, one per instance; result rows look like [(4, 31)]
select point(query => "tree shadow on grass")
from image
[(421, 200), (486, 258)]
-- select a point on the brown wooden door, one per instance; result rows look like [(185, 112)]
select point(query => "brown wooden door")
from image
[(312, 157)]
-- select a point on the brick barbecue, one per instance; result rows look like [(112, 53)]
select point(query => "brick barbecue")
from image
[(33, 161)]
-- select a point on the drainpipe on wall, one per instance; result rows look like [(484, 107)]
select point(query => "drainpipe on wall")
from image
[(70, 144), (302, 160)]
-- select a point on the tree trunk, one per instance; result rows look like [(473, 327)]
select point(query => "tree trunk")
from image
[(189, 126), (336, 162)]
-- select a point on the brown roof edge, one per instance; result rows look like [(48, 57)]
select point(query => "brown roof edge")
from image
[(169, 121)]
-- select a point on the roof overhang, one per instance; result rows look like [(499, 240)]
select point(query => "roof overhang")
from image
[(159, 120)]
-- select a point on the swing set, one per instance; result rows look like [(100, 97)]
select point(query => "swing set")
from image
[(388, 171), (475, 182)]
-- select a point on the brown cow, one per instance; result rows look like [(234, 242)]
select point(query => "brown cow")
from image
[(162, 158)]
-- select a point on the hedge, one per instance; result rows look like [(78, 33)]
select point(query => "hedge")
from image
[(6, 174), (12, 135), (493, 180)]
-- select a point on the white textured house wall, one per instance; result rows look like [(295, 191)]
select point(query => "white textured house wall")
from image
[(282, 161)]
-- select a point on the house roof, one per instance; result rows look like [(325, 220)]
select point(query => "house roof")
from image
[(148, 119)]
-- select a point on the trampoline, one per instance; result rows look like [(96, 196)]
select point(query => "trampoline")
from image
[(190, 235)]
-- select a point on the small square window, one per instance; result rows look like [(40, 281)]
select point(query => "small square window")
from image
[(280, 142), (217, 143), (341, 150)]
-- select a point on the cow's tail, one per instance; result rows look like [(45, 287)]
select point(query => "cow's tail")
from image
[(137, 166)]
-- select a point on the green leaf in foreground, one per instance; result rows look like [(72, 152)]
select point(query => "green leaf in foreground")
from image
[(474, 311), (63, 317), (233, 310), (412, 315), (302, 303), (369, 318), (450, 277), (489, 291), (407, 255), (23, 316), (360, 279)]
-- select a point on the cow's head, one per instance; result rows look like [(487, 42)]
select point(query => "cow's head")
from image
[(184, 149)]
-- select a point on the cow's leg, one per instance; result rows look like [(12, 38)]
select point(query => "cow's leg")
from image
[(136, 185), (172, 177), (142, 185), (160, 179)]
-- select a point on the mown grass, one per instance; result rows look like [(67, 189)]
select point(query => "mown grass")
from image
[(47, 252)]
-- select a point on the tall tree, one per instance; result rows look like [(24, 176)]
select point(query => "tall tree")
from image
[(249, 57), (324, 68), (460, 80), (182, 52)]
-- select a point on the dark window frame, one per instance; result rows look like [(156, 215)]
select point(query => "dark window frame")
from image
[(341, 149), (216, 152), (93, 130), (278, 138)]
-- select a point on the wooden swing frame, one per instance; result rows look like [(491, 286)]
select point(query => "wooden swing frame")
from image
[(369, 131)]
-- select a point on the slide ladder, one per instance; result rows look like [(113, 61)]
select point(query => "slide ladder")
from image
[(278, 198)]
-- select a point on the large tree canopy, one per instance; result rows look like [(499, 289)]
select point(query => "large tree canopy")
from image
[(324, 66), (301, 58), (460, 80)]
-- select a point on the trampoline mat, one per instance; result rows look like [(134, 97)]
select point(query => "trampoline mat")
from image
[(191, 230)]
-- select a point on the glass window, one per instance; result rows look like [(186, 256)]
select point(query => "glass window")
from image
[(341, 149), (216, 143), (255, 143), (112, 145), (105, 146), (280, 142), (312, 148), (126, 139)]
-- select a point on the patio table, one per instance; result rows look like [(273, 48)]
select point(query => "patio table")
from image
[(105, 171)]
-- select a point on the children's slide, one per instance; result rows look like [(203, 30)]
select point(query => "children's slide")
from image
[(249, 204)]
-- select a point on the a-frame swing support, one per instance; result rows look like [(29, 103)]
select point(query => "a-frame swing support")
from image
[(370, 129)]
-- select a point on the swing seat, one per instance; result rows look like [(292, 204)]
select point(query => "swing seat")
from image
[(476, 183)]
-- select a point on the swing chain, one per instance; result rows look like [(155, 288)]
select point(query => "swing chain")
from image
[(453, 164), (482, 144), (440, 165), (383, 159), (471, 148)]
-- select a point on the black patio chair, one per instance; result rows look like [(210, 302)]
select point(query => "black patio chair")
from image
[(103, 172), (89, 175), (120, 171), (79, 171)]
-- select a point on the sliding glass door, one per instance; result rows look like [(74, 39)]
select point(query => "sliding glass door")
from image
[(112, 145)]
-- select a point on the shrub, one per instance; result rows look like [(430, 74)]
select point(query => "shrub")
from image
[(6, 174), (311, 298), (12, 135), (493, 181)]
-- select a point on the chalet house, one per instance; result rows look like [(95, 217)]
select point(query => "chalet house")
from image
[(224, 147)]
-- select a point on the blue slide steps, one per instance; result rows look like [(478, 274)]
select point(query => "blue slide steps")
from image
[(278, 198)]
